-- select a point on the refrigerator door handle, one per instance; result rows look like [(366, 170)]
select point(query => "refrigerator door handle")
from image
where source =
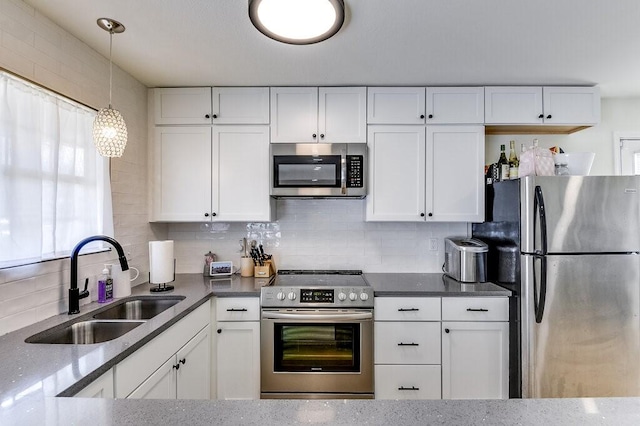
[(538, 207), (540, 296)]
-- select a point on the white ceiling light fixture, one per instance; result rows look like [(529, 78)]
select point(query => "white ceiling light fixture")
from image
[(109, 128), (297, 21)]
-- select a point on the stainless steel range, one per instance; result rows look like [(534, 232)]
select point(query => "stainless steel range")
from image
[(317, 336)]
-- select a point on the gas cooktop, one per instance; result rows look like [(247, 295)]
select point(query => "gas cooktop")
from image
[(318, 289)]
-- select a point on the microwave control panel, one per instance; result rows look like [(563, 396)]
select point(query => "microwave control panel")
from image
[(355, 171)]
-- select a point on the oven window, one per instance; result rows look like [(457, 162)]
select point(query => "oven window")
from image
[(303, 171), (317, 347)]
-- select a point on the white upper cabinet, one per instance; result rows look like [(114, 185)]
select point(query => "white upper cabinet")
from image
[(185, 105), (455, 173), (571, 105), (542, 105), (241, 173), (432, 173), (455, 105), (513, 105), (396, 105), (311, 114), (182, 174), (240, 105), (396, 173), (342, 114)]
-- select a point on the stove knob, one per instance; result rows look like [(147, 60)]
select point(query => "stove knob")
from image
[(281, 295), (364, 296), (353, 296), (291, 295), (342, 297)]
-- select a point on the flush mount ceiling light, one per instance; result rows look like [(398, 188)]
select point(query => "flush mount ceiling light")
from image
[(109, 128), (297, 21)]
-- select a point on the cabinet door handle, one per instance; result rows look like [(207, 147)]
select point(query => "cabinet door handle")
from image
[(321, 135), (219, 330), (430, 214), (206, 215), (541, 116), (176, 367), (182, 361), (237, 310), (446, 330), (408, 344), (412, 388), (477, 310), (214, 214), (408, 309), (421, 214), (313, 135), (215, 115), (421, 116), (207, 116), (430, 115), (549, 116)]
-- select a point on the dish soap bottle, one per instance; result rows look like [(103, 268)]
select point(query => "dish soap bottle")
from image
[(102, 286), (108, 288)]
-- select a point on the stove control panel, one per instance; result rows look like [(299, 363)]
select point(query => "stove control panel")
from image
[(316, 297)]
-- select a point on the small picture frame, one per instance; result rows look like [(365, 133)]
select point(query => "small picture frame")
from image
[(221, 269)]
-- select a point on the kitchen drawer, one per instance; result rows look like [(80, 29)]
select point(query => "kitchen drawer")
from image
[(407, 342), (238, 309), (407, 308), (408, 382), (475, 309)]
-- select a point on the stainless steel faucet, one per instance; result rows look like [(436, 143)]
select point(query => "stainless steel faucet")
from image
[(74, 292)]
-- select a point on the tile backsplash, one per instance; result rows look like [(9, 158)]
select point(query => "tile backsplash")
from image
[(321, 234)]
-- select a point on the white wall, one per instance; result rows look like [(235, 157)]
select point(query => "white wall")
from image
[(37, 49), (323, 234)]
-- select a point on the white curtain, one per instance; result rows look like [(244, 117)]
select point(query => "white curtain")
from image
[(54, 187)]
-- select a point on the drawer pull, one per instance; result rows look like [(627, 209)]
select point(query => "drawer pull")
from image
[(237, 310), (408, 344), (412, 388), (408, 310), (477, 310)]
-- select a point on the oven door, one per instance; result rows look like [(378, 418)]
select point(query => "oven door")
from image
[(316, 351)]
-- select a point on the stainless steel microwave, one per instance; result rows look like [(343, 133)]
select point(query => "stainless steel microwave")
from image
[(318, 170)]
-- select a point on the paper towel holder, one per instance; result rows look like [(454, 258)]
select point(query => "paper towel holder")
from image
[(162, 287)]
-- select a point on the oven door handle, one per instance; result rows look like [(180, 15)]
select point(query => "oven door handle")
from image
[(300, 317)]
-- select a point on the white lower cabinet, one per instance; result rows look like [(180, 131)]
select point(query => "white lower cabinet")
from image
[(238, 348), (475, 348), (407, 348), (184, 376), (152, 371), (102, 387), (449, 348), (407, 382)]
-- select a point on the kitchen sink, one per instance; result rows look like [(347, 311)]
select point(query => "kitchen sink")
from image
[(140, 308), (108, 323), (84, 332)]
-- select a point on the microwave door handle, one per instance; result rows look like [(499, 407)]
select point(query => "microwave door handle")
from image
[(343, 175)]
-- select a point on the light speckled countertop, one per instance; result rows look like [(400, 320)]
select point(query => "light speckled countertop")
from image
[(32, 376)]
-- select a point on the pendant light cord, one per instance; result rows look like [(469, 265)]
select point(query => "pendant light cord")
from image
[(110, 65)]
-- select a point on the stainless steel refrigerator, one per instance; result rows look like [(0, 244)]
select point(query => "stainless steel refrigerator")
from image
[(579, 281)]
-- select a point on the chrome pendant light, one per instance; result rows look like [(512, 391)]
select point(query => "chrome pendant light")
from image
[(109, 128), (297, 21)]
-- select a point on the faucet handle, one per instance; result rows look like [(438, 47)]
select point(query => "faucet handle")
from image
[(84, 293)]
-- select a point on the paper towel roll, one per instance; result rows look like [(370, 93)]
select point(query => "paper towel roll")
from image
[(161, 263)]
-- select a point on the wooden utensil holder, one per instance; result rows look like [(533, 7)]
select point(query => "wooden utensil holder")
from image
[(267, 270)]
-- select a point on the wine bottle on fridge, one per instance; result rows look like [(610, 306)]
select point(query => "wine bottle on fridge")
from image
[(503, 165), (514, 162)]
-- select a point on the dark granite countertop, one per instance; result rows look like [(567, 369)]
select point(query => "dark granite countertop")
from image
[(32, 376), (434, 285)]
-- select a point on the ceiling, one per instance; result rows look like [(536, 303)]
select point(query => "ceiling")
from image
[(383, 42)]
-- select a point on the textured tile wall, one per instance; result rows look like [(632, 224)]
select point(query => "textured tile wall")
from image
[(322, 234), (37, 49)]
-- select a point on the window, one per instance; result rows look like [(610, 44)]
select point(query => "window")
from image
[(627, 154), (54, 187)]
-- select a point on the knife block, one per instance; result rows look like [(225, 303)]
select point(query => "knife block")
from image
[(267, 270)]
